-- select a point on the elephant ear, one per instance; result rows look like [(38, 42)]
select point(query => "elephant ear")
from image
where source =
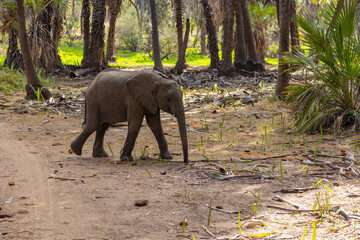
[(142, 87)]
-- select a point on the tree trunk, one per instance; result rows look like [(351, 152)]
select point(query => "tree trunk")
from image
[(114, 9), (33, 83), (212, 38), (294, 31), (228, 27), (180, 64), (179, 24), (240, 47), (49, 59), (203, 50), (155, 38), (85, 16), (283, 73), (249, 36), (13, 56), (96, 48)]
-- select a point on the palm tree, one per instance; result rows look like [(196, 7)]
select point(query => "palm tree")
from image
[(33, 85), (8, 15), (96, 49), (155, 38), (85, 17), (330, 96), (227, 48), (212, 38), (114, 9), (240, 58), (283, 74)]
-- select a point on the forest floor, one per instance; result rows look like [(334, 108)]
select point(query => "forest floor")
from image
[(244, 157)]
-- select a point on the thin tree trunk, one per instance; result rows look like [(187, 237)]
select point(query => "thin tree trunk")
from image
[(155, 38), (294, 32), (240, 47), (227, 37), (212, 38), (179, 24), (114, 9), (249, 36), (203, 50), (33, 83), (180, 64), (283, 73), (85, 16)]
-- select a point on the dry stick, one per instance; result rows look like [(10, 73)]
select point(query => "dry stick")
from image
[(266, 158), (207, 230), (296, 190), (291, 210), (221, 210), (281, 199)]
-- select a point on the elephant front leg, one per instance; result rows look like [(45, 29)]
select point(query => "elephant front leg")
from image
[(98, 149), (154, 122), (133, 131)]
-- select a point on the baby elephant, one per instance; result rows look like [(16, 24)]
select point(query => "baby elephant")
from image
[(119, 96)]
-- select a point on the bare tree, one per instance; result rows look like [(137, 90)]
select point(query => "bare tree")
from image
[(33, 85), (180, 64), (155, 38)]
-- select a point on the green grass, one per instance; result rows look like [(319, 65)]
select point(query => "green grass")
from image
[(127, 59), (272, 61)]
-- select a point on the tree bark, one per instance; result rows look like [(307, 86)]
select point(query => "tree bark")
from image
[(294, 31), (228, 27), (13, 56), (114, 9), (33, 83), (212, 38), (179, 24), (96, 48), (85, 16), (203, 50), (249, 36), (283, 73), (240, 47), (155, 38), (180, 64)]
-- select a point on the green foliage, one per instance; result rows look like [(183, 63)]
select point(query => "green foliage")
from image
[(12, 80), (331, 95)]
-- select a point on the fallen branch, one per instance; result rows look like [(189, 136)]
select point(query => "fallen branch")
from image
[(296, 190), (290, 210), (264, 158), (208, 232)]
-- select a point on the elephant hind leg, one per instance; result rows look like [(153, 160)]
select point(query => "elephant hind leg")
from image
[(78, 143), (98, 149)]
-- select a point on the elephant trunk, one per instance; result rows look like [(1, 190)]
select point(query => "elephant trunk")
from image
[(180, 115)]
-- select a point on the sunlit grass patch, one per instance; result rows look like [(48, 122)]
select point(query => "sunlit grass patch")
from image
[(12, 80)]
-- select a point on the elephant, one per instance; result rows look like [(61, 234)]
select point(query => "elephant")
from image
[(118, 96)]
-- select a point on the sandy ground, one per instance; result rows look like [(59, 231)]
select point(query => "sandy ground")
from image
[(46, 192)]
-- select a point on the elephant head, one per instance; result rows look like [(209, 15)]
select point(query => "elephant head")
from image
[(155, 92)]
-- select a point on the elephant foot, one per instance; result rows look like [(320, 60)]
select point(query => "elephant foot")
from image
[(100, 153), (75, 148), (126, 158), (166, 155)]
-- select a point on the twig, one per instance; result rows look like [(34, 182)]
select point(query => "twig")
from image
[(207, 230), (265, 158), (221, 210), (290, 210), (281, 199), (296, 190)]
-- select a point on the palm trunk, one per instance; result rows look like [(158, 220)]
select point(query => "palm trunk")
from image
[(183, 134), (180, 64), (85, 16), (33, 83), (240, 47), (155, 37), (212, 38), (114, 9), (227, 38)]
